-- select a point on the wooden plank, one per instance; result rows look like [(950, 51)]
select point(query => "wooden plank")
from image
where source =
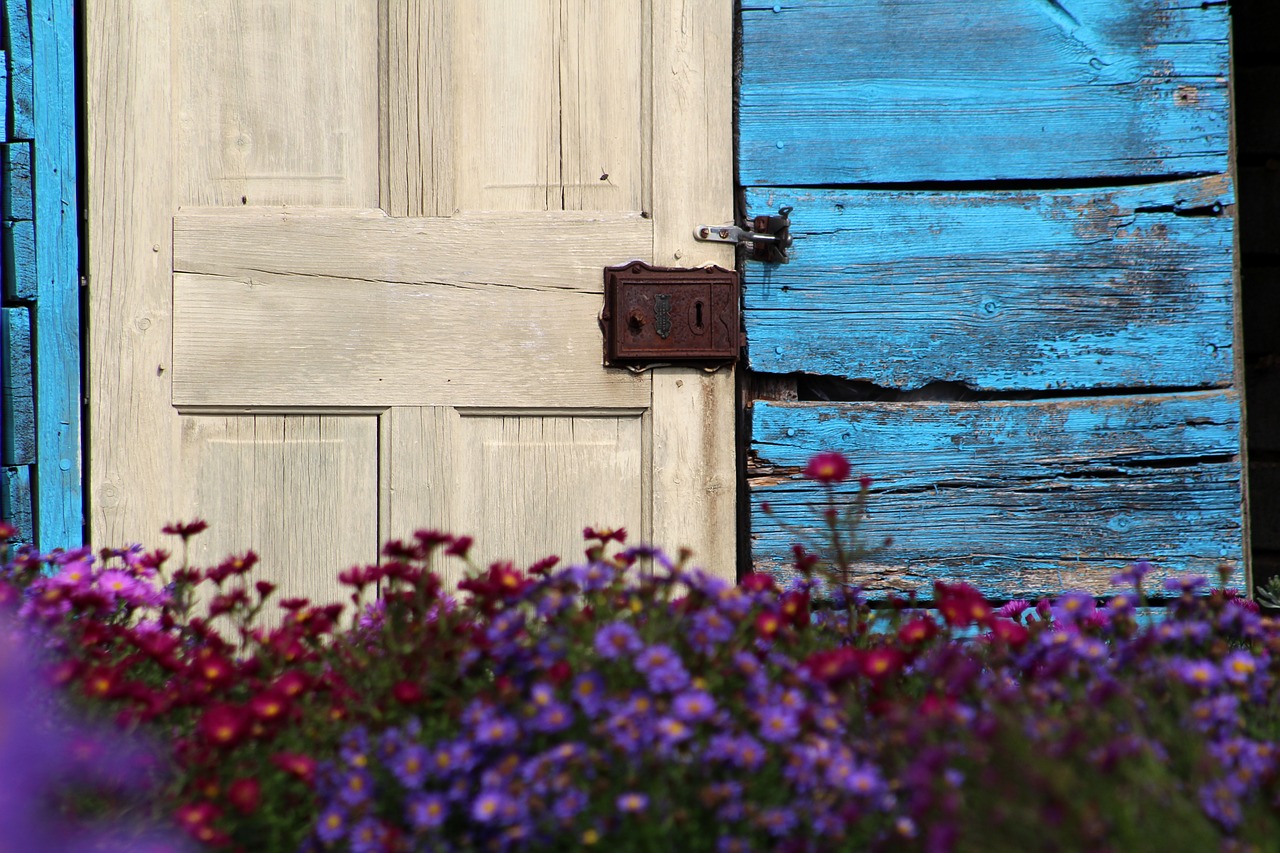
[(416, 134), (18, 243), (1018, 498), (299, 490), (20, 104), (1116, 287), (694, 458), (4, 89), (16, 200), (1260, 209), (15, 501), (425, 319), (19, 428), (133, 430), (1258, 125), (1042, 90), (56, 318)]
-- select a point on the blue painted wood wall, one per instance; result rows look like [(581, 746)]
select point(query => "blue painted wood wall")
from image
[(40, 335), (1012, 298)]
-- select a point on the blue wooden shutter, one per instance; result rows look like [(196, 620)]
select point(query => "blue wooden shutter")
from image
[(1012, 298), (40, 478)]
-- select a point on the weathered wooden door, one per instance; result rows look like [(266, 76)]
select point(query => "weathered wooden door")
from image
[(345, 269), (1012, 297)]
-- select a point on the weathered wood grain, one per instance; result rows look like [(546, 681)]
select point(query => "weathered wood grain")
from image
[(134, 432), (276, 102), (1018, 498), (416, 134), (841, 91), (299, 490), (15, 502), (17, 413), (389, 311), (19, 248), (56, 316), (694, 458), (18, 46), (1114, 287), (16, 198), (501, 475)]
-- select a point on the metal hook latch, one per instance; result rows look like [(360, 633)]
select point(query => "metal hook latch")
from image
[(770, 236)]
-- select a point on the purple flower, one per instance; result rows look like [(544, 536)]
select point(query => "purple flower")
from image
[(356, 787), (410, 765), (491, 807), (1238, 666), (1197, 673), (366, 836), (777, 821), (778, 724), (673, 730), (1133, 575), (567, 806), (332, 825), (552, 717), (427, 811), (496, 730), (1187, 585), (1073, 607), (589, 693), (616, 639), (632, 802), (693, 705), (708, 629)]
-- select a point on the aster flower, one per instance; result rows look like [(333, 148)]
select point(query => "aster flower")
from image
[(632, 802), (491, 807), (693, 706), (778, 724), (617, 639), (427, 811), (331, 826)]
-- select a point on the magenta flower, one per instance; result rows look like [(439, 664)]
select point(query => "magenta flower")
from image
[(828, 468)]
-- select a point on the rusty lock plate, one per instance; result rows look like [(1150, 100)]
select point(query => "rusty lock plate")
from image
[(659, 315)]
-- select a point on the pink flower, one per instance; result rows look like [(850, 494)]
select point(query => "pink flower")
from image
[(831, 467)]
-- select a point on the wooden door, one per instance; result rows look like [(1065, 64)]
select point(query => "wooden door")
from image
[(345, 269), (1012, 298)]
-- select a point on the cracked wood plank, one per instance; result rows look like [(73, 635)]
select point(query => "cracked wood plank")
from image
[(1120, 287), (838, 91), (1019, 498), (391, 311)]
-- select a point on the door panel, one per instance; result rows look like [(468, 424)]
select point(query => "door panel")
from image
[(389, 218), (276, 102), (514, 471), (301, 490)]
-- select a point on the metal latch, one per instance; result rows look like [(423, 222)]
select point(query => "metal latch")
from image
[(770, 236)]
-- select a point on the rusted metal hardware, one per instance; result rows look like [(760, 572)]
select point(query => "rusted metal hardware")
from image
[(770, 236), (664, 315)]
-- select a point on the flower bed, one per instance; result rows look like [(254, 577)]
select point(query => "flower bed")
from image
[(629, 702)]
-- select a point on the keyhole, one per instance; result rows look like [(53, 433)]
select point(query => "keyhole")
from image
[(697, 314)]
